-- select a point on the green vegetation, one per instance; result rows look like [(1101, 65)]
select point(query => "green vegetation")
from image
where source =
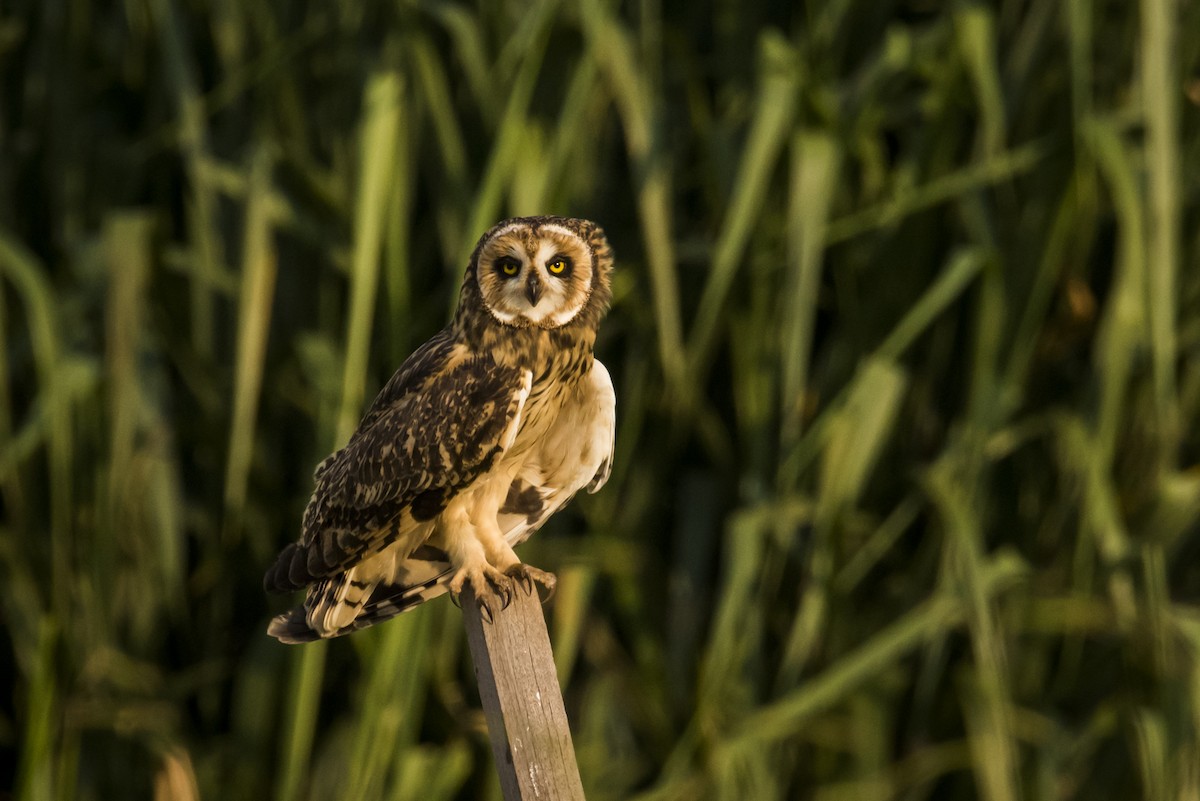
[(906, 343)]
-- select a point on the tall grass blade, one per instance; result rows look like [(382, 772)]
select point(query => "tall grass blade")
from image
[(127, 248), (27, 277), (208, 259), (391, 705), (974, 26), (398, 243), (35, 779), (430, 77), (254, 320), (611, 48), (377, 158), (815, 161), (774, 107), (961, 270), (1123, 322), (855, 436), (304, 693), (952, 487), (1160, 93)]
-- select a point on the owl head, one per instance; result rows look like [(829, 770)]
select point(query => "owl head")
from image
[(541, 272)]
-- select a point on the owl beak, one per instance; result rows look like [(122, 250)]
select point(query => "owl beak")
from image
[(533, 289)]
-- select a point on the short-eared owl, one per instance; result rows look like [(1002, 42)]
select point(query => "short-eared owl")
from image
[(484, 432)]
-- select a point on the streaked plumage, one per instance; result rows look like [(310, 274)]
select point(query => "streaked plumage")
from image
[(482, 434)]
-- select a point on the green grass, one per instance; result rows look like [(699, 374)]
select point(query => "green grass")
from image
[(907, 350)]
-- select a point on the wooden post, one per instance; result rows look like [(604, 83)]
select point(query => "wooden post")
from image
[(527, 722)]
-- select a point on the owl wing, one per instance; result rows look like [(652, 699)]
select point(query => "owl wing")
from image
[(604, 430), (574, 452), (427, 436)]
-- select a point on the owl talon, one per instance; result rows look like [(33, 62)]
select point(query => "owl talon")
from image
[(526, 575), (504, 592), (487, 584)]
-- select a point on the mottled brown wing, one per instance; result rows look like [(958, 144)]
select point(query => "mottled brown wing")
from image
[(417, 448)]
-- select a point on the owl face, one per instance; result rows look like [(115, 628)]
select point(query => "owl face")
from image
[(535, 273)]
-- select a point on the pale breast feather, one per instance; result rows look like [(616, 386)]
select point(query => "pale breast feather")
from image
[(575, 453)]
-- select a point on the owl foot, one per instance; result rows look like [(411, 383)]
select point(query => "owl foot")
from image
[(525, 575), (488, 585)]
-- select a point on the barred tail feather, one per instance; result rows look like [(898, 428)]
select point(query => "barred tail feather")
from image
[(390, 600), (334, 603), (385, 602)]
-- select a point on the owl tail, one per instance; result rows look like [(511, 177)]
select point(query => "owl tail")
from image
[(343, 604), (329, 610), (292, 627)]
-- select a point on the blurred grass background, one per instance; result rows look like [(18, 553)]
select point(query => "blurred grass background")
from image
[(906, 339)]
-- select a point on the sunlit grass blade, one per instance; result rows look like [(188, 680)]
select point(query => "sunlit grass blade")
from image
[(1154, 765), (391, 703), (35, 777), (1123, 321), (307, 667), (142, 499), (1160, 93), (735, 627), (1083, 458), (855, 436), (768, 132), (256, 301), (432, 773), (952, 484), (611, 48), (975, 30), (815, 160), (435, 95), (176, 779), (572, 599), (398, 265), (127, 246), (377, 158)]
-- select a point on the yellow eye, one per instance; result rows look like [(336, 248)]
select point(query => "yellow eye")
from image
[(509, 267), (557, 267)]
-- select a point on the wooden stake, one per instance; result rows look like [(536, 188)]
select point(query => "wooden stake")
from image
[(527, 722)]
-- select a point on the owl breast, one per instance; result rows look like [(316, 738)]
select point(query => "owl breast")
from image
[(564, 444)]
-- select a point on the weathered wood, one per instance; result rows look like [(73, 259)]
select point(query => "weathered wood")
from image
[(527, 722)]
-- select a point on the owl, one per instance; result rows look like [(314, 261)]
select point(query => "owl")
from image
[(483, 433)]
